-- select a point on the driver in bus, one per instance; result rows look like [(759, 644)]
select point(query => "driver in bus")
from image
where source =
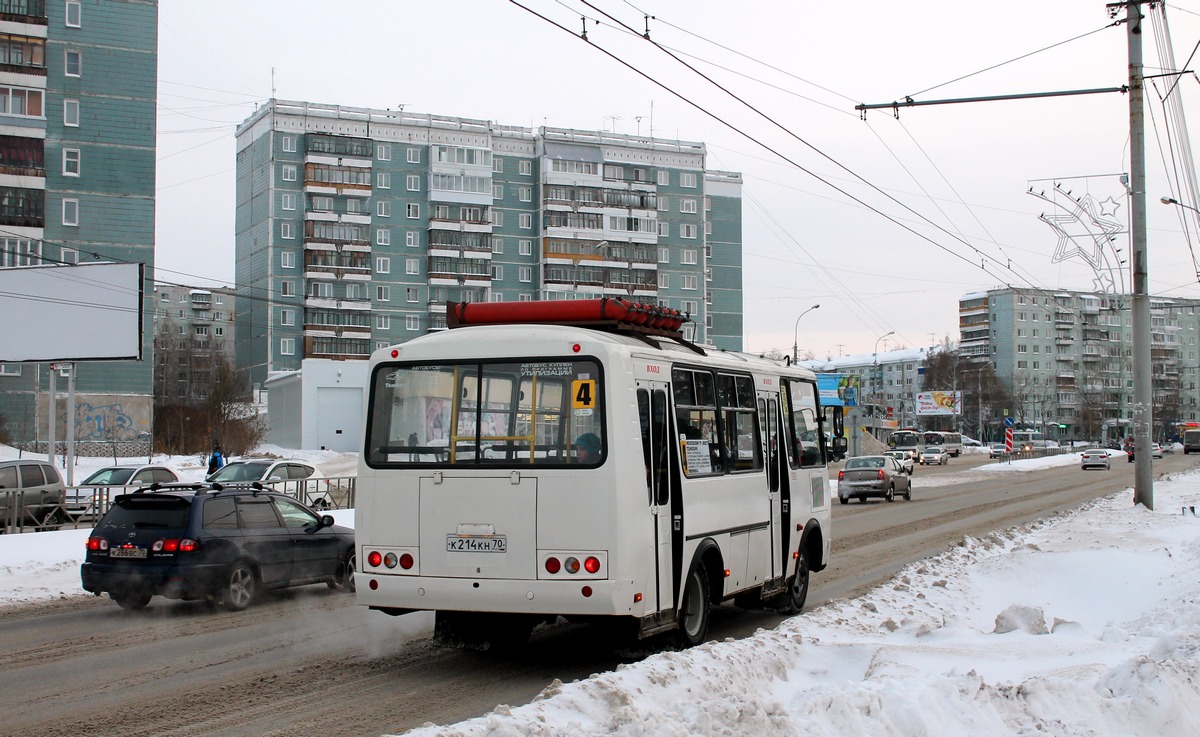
[(587, 448)]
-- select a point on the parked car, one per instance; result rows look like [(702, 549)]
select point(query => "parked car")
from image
[(91, 498), (878, 476), (298, 479), (1156, 450), (995, 450), (31, 495), (934, 455), (221, 546), (1094, 458), (905, 459)]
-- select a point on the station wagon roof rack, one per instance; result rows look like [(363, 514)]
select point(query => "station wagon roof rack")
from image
[(644, 321)]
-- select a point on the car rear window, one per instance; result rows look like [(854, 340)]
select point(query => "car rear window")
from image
[(147, 512)]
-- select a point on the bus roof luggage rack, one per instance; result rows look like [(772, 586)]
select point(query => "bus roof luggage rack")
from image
[(641, 320)]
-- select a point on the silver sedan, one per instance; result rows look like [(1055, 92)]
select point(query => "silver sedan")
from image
[(873, 476)]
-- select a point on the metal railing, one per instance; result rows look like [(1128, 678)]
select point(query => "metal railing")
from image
[(82, 506)]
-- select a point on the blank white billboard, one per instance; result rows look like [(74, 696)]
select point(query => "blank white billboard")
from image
[(88, 312)]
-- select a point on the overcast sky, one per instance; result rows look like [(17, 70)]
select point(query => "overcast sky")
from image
[(962, 172)]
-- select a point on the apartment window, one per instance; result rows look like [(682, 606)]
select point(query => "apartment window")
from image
[(525, 247), (287, 317), (664, 229), (70, 162), (412, 211), (497, 191), (664, 281), (497, 165), (525, 273), (687, 281), (412, 322), (412, 266), (687, 204), (383, 209), (324, 290), (355, 290), (526, 220), (288, 144), (687, 230), (664, 203), (22, 102), (525, 194), (287, 260), (707, 204), (69, 256), (287, 288), (383, 180), (383, 293), (412, 239), (353, 206), (71, 113), (687, 179), (524, 297), (687, 256), (287, 231), (413, 182), (708, 227), (383, 265), (383, 237), (70, 212), (1022, 349), (664, 178), (497, 245), (497, 217), (73, 63), (383, 151), (287, 346), (288, 173), (288, 200), (526, 168), (495, 297), (414, 155), (412, 294), (497, 272), (664, 255), (74, 14), (383, 322)]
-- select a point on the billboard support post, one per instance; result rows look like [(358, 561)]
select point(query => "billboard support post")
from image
[(51, 418), (71, 430)]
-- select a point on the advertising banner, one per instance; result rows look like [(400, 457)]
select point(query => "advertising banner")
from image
[(939, 403), (838, 390)]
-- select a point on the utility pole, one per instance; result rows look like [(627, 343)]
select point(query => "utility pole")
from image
[(1143, 397)]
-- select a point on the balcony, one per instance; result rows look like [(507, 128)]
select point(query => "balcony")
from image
[(24, 11)]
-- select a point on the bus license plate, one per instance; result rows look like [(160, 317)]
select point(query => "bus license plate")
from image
[(470, 544), (127, 553)]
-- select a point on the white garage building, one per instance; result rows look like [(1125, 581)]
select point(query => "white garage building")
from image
[(319, 407)]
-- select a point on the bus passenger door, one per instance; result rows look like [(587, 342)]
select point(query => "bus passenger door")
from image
[(768, 410), (654, 414)]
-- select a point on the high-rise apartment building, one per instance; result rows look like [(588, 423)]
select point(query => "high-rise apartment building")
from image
[(355, 227), (78, 92), (193, 334), (1066, 356)]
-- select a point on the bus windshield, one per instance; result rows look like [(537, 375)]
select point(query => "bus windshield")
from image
[(904, 439), (543, 412)]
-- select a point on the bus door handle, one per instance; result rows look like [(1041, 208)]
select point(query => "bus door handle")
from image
[(678, 523), (784, 506)]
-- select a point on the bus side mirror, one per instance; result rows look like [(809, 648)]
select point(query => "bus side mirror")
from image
[(839, 421), (839, 445)]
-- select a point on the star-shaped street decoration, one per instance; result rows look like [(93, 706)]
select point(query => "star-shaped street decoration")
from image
[(1108, 207), (1083, 227)]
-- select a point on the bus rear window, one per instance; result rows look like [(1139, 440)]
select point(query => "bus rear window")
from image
[(512, 413)]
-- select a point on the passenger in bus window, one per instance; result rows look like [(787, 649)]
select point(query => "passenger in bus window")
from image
[(587, 448)]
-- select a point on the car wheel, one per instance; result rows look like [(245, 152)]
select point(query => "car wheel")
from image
[(696, 608), (132, 602), (908, 493), (344, 580), (240, 587), (891, 494), (844, 499), (797, 590)]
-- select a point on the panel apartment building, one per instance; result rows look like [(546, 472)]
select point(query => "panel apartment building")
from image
[(355, 226), (78, 88), (1067, 356)]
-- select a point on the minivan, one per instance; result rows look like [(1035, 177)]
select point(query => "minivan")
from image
[(31, 496)]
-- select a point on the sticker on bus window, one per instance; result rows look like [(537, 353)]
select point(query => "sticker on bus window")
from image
[(583, 394)]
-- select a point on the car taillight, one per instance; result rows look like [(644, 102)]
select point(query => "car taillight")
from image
[(882, 475), (841, 474), (97, 543)]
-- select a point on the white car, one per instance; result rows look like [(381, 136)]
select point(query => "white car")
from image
[(93, 494), (1094, 458), (934, 455), (1156, 450), (903, 458), (298, 479), (996, 450)]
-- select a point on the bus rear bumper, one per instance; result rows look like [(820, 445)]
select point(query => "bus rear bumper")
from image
[(566, 598)]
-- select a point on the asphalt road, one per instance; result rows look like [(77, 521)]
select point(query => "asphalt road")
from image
[(310, 662)]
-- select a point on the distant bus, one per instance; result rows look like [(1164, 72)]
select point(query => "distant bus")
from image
[(951, 441), (1028, 440), (906, 439), (1191, 440)]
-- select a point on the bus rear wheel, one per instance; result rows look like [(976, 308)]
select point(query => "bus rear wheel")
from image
[(793, 599), (695, 611)]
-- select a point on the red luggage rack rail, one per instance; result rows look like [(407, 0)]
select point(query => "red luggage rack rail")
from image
[(612, 314)]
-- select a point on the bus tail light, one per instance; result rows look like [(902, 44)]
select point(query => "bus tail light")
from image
[(385, 561), (374, 559), (571, 565), (553, 565), (558, 564), (406, 561), (592, 564)]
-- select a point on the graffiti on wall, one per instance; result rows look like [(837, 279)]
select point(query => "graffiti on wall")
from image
[(104, 418)]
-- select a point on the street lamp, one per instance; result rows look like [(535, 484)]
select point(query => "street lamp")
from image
[(1173, 201), (877, 380), (796, 334)]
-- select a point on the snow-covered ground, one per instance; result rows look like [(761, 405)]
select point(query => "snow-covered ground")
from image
[(1085, 624)]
